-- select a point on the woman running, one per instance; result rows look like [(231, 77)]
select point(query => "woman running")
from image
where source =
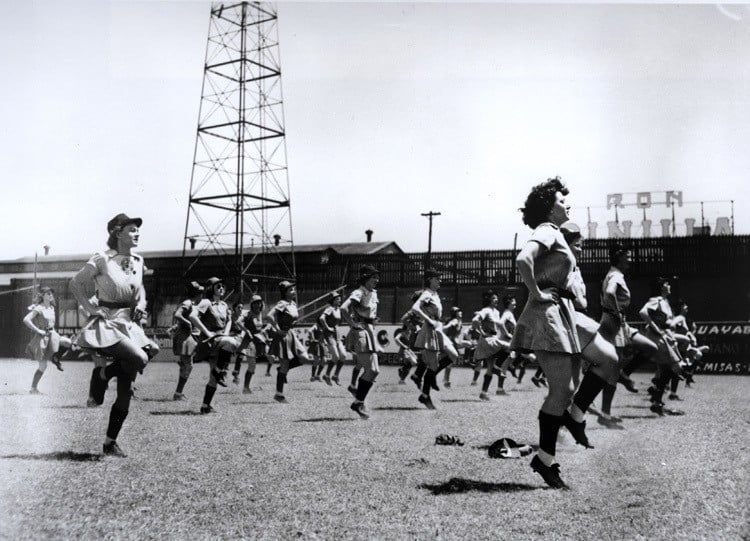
[(185, 336), (329, 322), (491, 345), (257, 330), (45, 341), (285, 346), (117, 276), (438, 351), (405, 337), (213, 318), (360, 311), (452, 329)]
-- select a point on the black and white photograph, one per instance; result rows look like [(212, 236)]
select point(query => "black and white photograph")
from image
[(374, 270)]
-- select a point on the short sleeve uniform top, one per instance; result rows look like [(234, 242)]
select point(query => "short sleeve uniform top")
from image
[(44, 318), (622, 293), (332, 317), (118, 277), (213, 314), (286, 314), (365, 305)]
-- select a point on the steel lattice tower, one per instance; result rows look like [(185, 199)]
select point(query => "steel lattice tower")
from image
[(239, 205)]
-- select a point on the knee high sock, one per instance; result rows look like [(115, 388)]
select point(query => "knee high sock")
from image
[(549, 426), (475, 377), (116, 419), (363, 388), (181, 384), (447, 375), (608, 394), (321, 366), (208, 395), (355, 375), (588, 390), (280, 380), (120, 408), (674, 383), (500, 381), (539, 373), (486, 383), (329, 368), (314, 370), (521, 372), (223, 360), (421, 369), (238, 363), (661, 384), (37, 376), (248, 377), (339, 364), (429, 377)]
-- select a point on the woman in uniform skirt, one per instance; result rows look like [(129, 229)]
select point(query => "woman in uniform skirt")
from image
[(285, 346), (117, 276), (438, 351), (213, 318), (547, 326), (185, 336), (258, 332), (360, 311), (491, 345), (328, 322), (452, 329), (45, 341)]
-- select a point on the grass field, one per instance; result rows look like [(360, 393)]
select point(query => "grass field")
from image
[(312, 470)]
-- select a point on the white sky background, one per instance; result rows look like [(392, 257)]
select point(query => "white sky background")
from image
[(391, 110)]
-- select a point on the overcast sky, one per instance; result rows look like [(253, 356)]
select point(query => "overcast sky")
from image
[(391, 110)]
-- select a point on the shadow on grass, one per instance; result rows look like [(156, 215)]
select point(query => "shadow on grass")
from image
[(324, 419), (462, 400), (178, 413), (638, 416), (399, 408), (457, 485), (71, 456), (69, 407), (156, 399), (243, 402)]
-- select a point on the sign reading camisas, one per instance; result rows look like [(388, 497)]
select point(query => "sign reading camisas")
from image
[(648, 200), (730, 347)]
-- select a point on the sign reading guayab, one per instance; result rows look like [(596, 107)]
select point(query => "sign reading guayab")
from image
[(644, 201)]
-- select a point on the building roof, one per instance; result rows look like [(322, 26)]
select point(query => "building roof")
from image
[(344, 248)]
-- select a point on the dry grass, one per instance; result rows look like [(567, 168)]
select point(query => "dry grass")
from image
[(311, 469)]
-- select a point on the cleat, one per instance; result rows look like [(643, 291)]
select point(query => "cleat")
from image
[(178, 397), (577, 430), (447, 384), (280, 398), (550, 474), (535, 381), (207, 409), (34, 390), (427, 401), (335, 379), (312, 378), (608, 422), (670, 411), (675, 396), (91, 403), (501, 392), (219, 377), (246, 390), (417, 381), (236, 380), (658, 408), (352, 389), (628, 383), (473, 384), (402, 382), (58, 364), (112, 449), (360, 409), (327, 379), (484, 396), (434, 385)]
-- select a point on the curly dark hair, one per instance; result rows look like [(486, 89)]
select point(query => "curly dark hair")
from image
[(487, 297), (540, 201), (507, 299), (616, 252)]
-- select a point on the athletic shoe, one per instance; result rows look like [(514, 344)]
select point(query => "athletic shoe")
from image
[(280, 398), (535, 380), (402, 382), (34, 390), (236, 380), (312, 378), (628, 383), (57, 363), (576, 429), (417, 380), (112, 449), (473, 384), (608, 422), (360, 409), (651, 391), (501, 392), (98, 386), (543, 382), (246, 390), (327, 379), (675, 396), (207, 409), (91, 403), (550, 474), (447, 384), (658, 408), (427, 401), (179, 397), (484, 396), (352, 389), (335, 379)]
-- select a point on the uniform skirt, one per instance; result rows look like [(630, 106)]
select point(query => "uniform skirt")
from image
[(183, 343), (489, 346), (101, 333), (666, 347), (42, 348), (287, 346), (361, 340), (430, 339), (587, 329), (547, 326), (616, 330)]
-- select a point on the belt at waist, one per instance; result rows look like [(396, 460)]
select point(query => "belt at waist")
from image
[(564, 293), (114, 305), (613, 312)]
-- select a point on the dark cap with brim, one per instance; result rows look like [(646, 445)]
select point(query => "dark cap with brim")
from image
[(122, 220)]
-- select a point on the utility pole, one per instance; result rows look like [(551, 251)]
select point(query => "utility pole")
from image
[(429, 216)]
